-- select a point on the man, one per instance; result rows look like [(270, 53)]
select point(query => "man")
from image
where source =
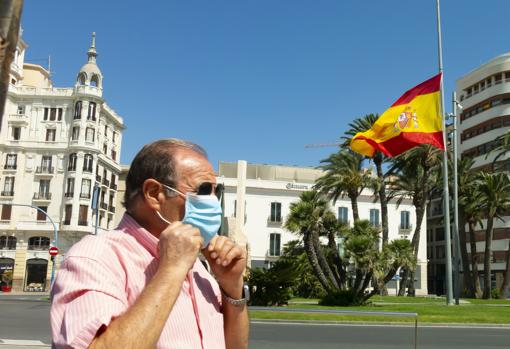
[(142, 285)]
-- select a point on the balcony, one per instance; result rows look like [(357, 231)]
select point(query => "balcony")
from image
[(103, 205), (85, 223), (113, 186), (69, 195), (106, 182), (111, 209), (7, 193), (274, 221), (98, 178), (84, 195), (42, 196), (10, 167), (18, 119), (405, 230), (44, 170)]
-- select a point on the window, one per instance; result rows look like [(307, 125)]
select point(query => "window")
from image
[(89, 134), (77, 110), (85, 189), (343, 215), (44, 189), (405, 220), (76, 133), (50, 134), (114, 155), (11, 161), (114, 135), (46, 113), (38, 243), (20, 110), (6, 212), (274, 244), (88, 163), (374, 217), (7, 242), (59, 114), (72, 162), (440, 234), (91, 115), (82, 217), (53, 114), (69, 187), (9, 186), (105, 131), (67, 215), (16, 133), (276, 212), (113, 180), (105, 148), (46, 164), (41, 216)]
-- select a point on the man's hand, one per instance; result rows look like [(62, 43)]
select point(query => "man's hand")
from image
[(178, 246), (228, 262)]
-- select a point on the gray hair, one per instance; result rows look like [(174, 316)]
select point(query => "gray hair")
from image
[(155, 160)]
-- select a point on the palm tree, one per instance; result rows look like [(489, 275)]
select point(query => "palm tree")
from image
[(415, 175), (305, 218), (469, 213), (361, 125), (502, 149), (494, 191), (344, 176)]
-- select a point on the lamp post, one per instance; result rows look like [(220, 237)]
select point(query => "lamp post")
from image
[(55, 232)]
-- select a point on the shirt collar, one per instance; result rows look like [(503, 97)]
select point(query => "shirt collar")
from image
[(130, 226)]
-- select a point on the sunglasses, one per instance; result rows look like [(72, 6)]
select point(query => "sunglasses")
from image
[(204, 188)]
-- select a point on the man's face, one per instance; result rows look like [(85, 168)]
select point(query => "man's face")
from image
[(192, 170)]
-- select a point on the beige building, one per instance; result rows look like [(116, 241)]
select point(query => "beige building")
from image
[(56, 146)]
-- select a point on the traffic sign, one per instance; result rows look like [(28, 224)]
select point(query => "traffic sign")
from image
[(53, 251)]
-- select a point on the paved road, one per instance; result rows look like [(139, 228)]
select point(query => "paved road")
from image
[(28, 320)]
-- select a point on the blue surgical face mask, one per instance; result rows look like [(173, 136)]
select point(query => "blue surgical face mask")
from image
[(202, 211)]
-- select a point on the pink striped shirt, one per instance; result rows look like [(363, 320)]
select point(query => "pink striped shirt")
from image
[(102, 276)]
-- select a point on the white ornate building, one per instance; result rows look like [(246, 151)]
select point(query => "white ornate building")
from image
[(56, 144)]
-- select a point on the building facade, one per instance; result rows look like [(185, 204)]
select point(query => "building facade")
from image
[(485, 97), (268, 191), (56, 146)]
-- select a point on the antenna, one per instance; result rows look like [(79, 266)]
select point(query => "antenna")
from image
[(49, 65)]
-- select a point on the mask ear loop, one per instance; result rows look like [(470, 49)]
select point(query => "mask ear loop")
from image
[(162, 218)]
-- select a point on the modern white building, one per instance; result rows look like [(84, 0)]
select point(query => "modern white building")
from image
[(268, 192), (485, 97), (56, 144)]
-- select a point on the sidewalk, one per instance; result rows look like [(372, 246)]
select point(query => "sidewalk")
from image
[(36, 296)]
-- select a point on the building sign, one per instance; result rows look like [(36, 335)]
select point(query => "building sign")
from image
[(297, 186)]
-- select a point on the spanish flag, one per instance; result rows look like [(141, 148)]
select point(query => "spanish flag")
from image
[(414, 119)]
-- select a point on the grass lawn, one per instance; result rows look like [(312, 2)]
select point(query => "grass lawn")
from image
[(430, 310)]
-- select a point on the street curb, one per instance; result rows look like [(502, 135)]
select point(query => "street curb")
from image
[(382, 323)]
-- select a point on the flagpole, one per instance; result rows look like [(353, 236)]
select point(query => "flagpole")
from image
[(446, 195), (456, 239)]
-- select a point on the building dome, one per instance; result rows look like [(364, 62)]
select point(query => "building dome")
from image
[(90, 74)]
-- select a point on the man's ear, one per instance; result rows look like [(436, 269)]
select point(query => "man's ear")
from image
[(153, 193)]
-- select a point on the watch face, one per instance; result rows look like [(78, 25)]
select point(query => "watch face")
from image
[(246, 292)]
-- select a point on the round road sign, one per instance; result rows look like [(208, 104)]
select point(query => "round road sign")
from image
[(53, 251)]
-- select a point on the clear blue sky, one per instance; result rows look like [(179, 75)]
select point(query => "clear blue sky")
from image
[(258, 80)]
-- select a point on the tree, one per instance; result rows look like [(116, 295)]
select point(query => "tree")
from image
[(361, 125), (502, 148), (469, 213), (415, 174), (344, 176), (494, 191), (350, 274)]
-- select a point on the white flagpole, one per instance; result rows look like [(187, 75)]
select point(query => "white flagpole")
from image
[(446, 195)]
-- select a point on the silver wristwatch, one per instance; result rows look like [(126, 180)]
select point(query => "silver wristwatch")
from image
[(238, 302)]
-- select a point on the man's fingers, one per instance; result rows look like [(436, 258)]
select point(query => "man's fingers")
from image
[(234, 253)]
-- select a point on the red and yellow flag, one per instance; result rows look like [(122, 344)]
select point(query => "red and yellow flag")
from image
[(414, 119)]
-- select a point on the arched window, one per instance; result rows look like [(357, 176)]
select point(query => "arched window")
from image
[(94, 81), (72, 162), (38, 243), (91, 115), (82, 78), (88, 162), (77, 110), (7, 242)]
